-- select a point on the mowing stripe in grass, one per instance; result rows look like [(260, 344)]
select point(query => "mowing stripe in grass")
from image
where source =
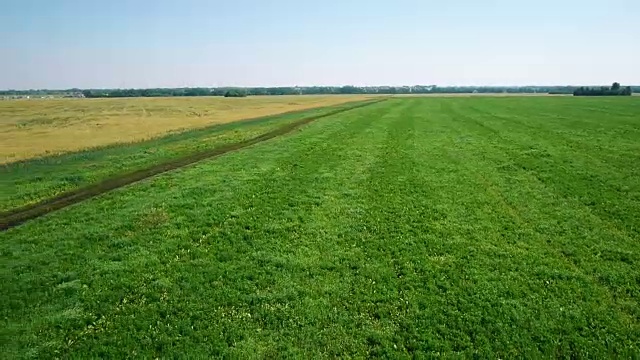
[(18, 216)]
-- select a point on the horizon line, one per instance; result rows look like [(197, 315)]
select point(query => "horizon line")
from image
[(304, 86)]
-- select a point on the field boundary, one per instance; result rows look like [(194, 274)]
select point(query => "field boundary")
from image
[(20, 215), (184, 131)]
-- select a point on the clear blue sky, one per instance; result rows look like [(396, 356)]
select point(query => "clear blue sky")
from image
[(162, 43)]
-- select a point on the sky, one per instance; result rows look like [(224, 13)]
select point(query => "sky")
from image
[(59, 44)]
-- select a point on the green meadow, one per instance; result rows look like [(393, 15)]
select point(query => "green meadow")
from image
[(488, 227)]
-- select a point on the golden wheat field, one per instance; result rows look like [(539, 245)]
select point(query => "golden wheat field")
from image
[(31, 128)]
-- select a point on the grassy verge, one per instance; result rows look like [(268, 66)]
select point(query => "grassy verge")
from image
[(421, 227), (28, 182)]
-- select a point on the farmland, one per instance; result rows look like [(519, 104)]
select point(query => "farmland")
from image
[(43, 127), (461, 226), (31, 181)]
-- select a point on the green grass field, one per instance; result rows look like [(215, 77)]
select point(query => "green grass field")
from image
[(435, 227)]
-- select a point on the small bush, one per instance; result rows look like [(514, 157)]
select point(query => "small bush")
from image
[(235, 93)]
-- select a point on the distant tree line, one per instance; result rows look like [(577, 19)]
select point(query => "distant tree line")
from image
[(159, 92), (614, 90), (325, 90), (41, 93)]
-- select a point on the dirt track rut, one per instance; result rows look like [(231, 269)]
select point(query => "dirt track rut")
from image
[(18, 216)]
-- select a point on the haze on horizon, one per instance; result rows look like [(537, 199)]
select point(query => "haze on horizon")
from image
[(143, 44)]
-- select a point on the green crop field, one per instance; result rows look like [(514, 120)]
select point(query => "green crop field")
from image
[(490, 227)]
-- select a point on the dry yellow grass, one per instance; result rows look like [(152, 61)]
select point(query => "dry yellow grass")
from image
[(31, 128)]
